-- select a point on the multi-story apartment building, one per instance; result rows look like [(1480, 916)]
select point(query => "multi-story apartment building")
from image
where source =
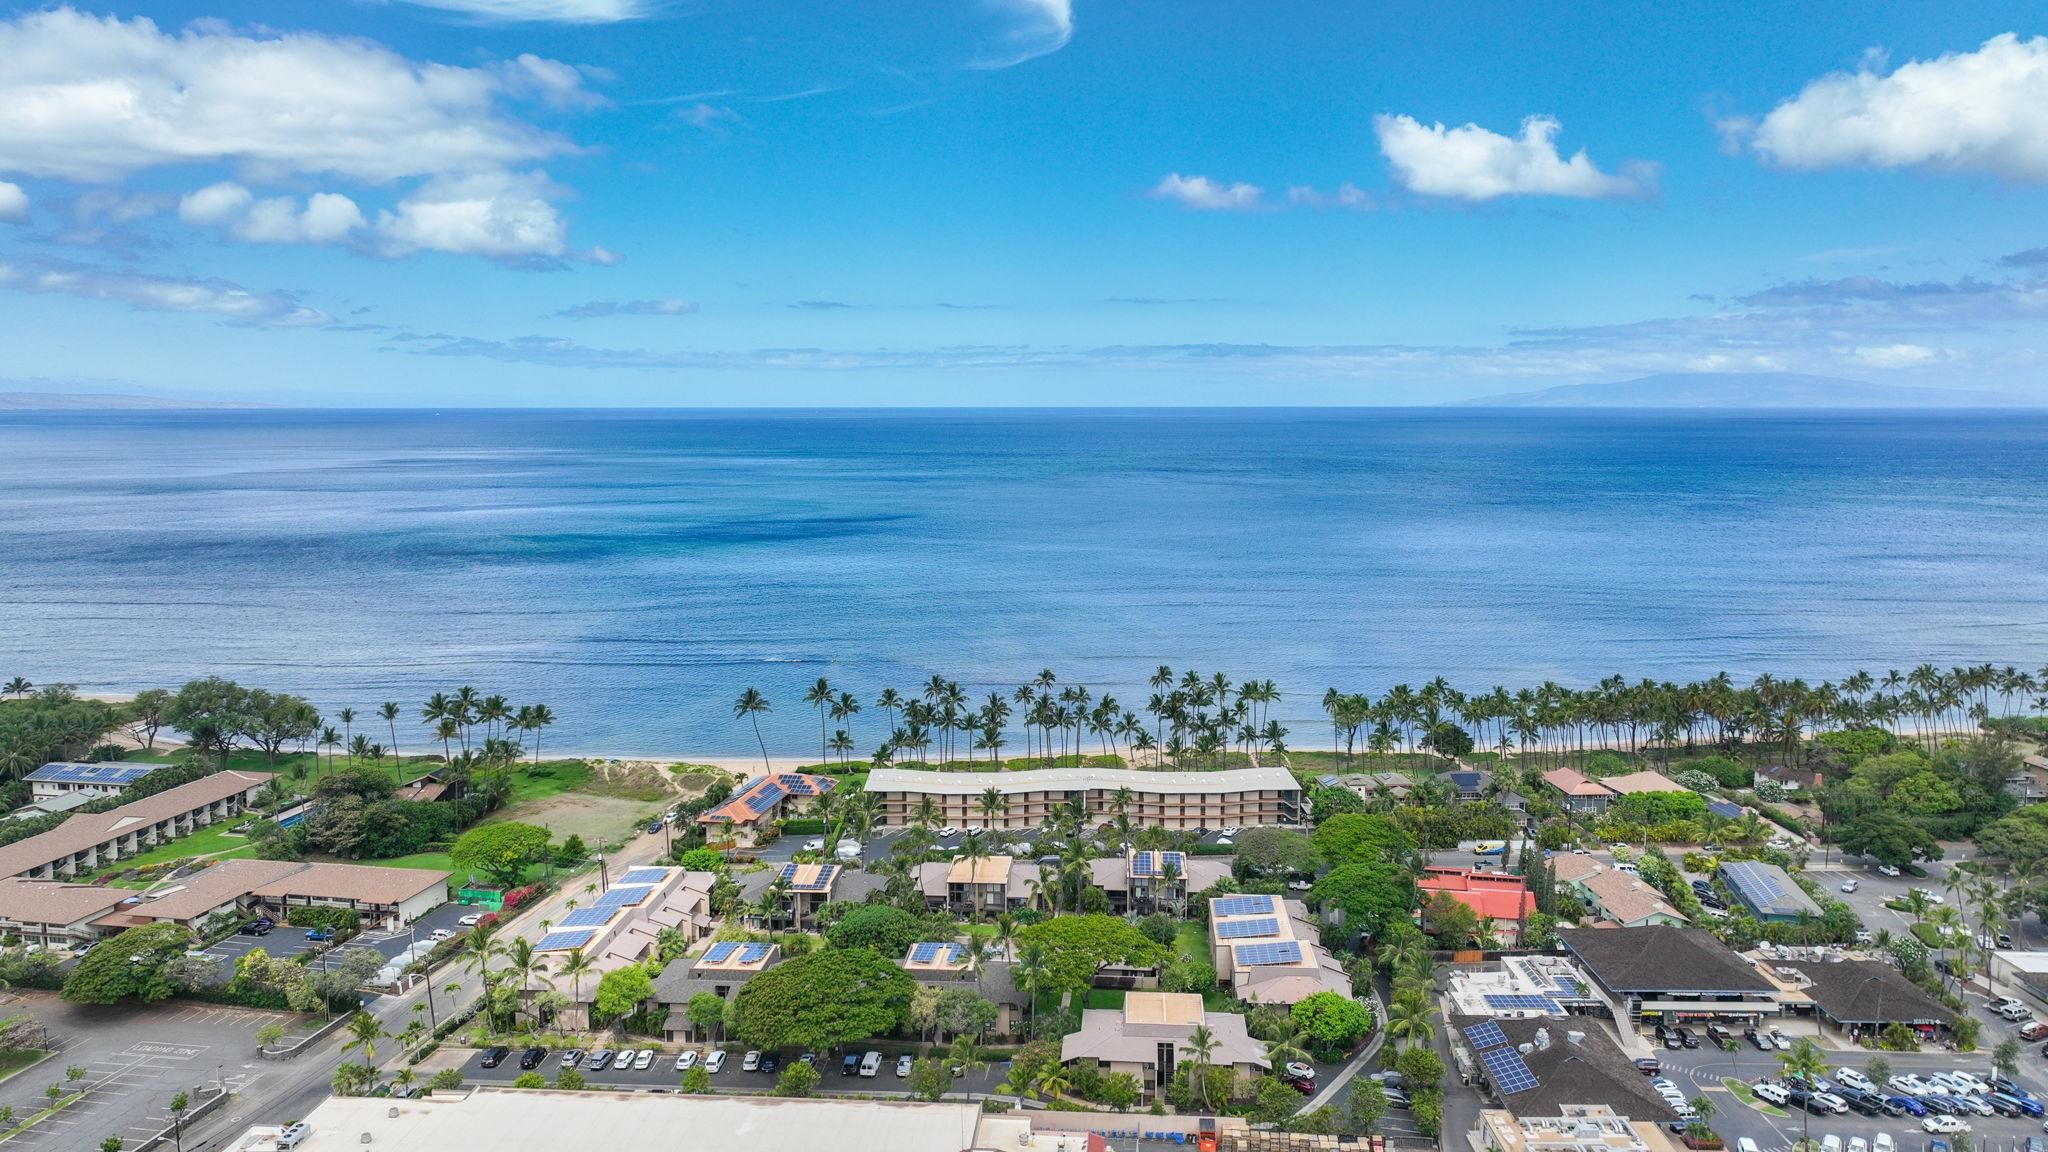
[(1241, 797)]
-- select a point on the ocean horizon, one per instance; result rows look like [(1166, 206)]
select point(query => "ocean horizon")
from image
[(635, 568)]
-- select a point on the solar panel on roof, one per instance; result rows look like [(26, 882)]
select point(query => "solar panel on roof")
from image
[(754, 953), (717, 953), (1244, 906), (559, 941), (1509, 1073), (589, 917), (819, 883), (624, 896), (644, 876), (1277, 952), (931, 952), (1241, 929), (1522, 1002), (765, 796), (67, 772), (1485, 1034), (1755, 882)]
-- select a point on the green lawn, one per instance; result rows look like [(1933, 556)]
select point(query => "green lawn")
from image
[(20, 1058), (212, 839), (1193, 940)]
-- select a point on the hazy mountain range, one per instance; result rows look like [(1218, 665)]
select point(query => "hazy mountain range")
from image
[(100, 402), (1748, 390)]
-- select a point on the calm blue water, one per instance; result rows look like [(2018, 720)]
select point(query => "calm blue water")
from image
[(636, 570)]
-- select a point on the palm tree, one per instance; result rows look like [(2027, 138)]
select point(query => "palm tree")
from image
[(749, 706), (820, 697), (19, 686), (1202, 1044), (347, 716), (1032, 973), (522, 959), (477, 949), (1804, 1063), (364, 1031), (538, 716), (330, 740), (1408, 1022), (992, 803), (926, 814), (389, 711)]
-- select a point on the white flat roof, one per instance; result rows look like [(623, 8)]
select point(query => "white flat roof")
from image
[(1071, 779), (515, 1120)]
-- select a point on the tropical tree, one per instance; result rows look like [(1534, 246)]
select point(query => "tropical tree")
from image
[(750, 705), (1202, 1045), (362, 1034), (1804, 1063)]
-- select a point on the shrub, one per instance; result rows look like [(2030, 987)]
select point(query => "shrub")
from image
[(530, 1080), (569, 1080), (446, 1080)]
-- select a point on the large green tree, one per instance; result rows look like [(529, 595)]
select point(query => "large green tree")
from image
[(500, 851), (2020, 836), (1888, 836), (1370, 894), (131, 965), (1332, 1021), (882, 927), (1077, 946), (1274, 850), (1357, 837), (823, 1000)]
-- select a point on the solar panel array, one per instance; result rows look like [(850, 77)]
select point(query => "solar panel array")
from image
[(1155, 863), (1277, 952), (719, 952), (766, 795), (1756, 883), (1241, 929), (1243, 906), (644, 876), (561, 941), (819, 884), (1520, 1002), (797, 785), (589, 917), (67, 772), (1506, 1068), (624, 896), (1485, 1034), (944, 952), (754, 953)]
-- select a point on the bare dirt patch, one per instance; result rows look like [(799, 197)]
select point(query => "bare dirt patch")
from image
[(595, 818)]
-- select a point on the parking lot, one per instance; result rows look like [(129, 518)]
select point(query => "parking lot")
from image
[(1705, 1072), (136, 1057), (661, 1073)]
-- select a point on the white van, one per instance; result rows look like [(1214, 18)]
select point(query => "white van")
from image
[(871, 1064)]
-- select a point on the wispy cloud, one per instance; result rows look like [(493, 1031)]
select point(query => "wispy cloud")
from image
[(1036, 28), (213, 297), (548, 11), (1347, 196), (819, 305), (1473, 163), (1205, 195), (1853, 289), (13, 202), (2031, 258), (596, 309)]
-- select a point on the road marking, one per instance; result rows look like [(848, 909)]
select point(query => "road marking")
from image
[(174, 1051)]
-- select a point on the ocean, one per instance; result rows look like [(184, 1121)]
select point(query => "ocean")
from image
[(636, 570)]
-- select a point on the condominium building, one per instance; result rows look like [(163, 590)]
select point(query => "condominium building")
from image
[(1241, 797), (62, 778), (1265, 951), (90, 841)]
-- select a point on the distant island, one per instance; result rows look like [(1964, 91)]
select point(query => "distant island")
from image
[(102, 402), (1747, 390)]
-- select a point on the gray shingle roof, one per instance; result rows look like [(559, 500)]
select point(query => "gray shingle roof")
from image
[(1661, 958)]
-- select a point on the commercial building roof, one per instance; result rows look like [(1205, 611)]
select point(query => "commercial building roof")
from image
[(1868, 992), (51, 902), (530, 1120), (1569, 1066), (88, 829), (204, 891), (1578, 1128), (1270, 777), (1767, 889), (1661, 958), (362, 883)]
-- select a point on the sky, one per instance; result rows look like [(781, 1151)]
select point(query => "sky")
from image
[(1013, 202)]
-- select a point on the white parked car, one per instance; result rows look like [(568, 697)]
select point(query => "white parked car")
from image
[(686, 1060), (644, 1060), (440, 934), (1780, 1041), (1771, 1092), (1887, 870), (471, 920), (1944, 1125), (1854, 1079), (814, 845), (1831, 1143), (1745, 1144), (715, 1063), (1882, 1143), (946, 833), (1933, 897), (1858, 1144), (1969, 1080), (751, 1062), (1849, 885), (1907, 1084)]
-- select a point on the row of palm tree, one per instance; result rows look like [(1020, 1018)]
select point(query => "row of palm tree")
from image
[(1558, 723), (456, 716), (1192, 716)]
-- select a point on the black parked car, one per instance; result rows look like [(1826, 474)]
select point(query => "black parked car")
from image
[(850, 1065), (1719, 1035), (531, 1058), (770, 1063), (1687, 1038), (494, 1056), (257, 928), (1757, 1038)]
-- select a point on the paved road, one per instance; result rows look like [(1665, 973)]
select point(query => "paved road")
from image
[(661, 1074)]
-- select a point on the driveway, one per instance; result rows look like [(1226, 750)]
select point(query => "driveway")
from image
[(389, 944)]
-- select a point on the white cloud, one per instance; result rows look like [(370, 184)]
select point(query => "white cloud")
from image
[(1038, 28), (1472, 163), (1893, 355), (499, 215), (1981, 111), (13, 202), (598, 309), (1206, 195), (552, 11), (220, 298), (92, 100), (326, 218), (1347, 195), (554, 83)]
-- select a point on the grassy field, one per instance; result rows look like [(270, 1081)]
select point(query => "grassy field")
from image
[(20, 1059), (1193, 940), (211, 840), (1407, 763)]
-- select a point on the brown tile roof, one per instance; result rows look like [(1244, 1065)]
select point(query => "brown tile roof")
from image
[(1574, 784), (202, 892), (362, 883), (1623, 897), (1640, 782), (85, 830), (49, 902)]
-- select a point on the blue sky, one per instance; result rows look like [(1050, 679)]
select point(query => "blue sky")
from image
[(571, 202)]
